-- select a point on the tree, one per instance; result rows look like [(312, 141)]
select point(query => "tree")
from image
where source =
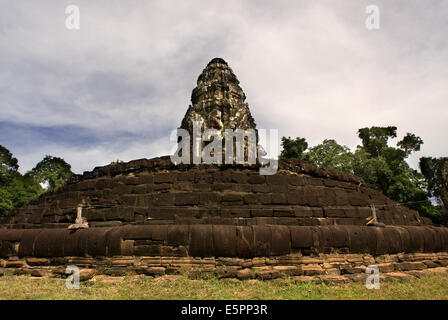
[(8, 166), (52, 171), (384, 168), (377, 163), (374, 139), (434, 171), (6, 201), (410, 143), (293, 148), (8, 169), (15, 190), (330, 154), (24, 189), (18, 193), (381, 166), (375, 171)]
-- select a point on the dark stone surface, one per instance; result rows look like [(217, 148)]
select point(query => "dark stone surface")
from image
[(221, 240)]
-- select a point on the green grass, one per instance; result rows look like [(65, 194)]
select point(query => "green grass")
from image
[(432, 286)]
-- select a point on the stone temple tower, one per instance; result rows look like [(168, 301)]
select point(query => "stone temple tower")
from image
[(218, 102)]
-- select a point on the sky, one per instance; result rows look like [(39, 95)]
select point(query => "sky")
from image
[(118, 86)]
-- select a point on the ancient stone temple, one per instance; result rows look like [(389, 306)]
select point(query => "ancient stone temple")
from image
[(153, 217)]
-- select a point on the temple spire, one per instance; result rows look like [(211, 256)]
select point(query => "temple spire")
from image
[(218, 100)]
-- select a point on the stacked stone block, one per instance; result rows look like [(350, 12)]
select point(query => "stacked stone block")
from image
[(155, 191)]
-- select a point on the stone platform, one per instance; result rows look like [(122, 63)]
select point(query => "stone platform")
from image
[(335, 268), (150, 217), (154, 191)]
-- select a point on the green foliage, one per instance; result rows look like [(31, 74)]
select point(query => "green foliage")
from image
[(116, 162), (433, 170), (293, 148), (8, 166), (24, 189), (20, 191), (6, 201), (374, 139), (52, 171), (375, 171), (382, 167), (8, 170), (16, 190), (330, 154), (410, 143)]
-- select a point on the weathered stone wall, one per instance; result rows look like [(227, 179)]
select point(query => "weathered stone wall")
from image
[(324, 267), (155, 191), (221, 241)]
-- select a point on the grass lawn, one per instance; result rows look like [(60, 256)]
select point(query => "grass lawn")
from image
[(431, 286)]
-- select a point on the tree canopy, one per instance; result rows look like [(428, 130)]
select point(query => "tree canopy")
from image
[(17, 190), (330, 154), (383, 167), (8, 165), (52, 171), (435, 171), (293, 148)]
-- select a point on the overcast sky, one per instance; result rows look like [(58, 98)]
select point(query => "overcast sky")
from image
[(117, 87)]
